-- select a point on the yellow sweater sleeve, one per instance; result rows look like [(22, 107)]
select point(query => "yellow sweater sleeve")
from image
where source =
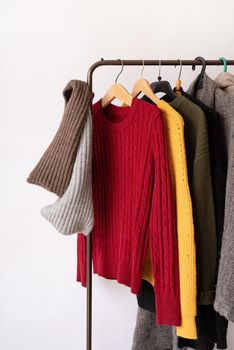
[(185, 229)]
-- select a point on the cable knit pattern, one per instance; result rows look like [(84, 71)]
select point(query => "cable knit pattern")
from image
[(73, 212), (54, 170), (133, 203)]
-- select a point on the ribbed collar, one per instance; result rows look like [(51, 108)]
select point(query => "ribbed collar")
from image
[(126, 114), (178, 101)]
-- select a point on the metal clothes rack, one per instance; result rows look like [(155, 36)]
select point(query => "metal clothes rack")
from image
[(102, 62)]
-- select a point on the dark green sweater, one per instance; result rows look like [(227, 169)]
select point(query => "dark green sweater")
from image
[(200, 182)]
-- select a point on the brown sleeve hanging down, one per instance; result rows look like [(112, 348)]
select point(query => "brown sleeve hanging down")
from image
[(54, 169)]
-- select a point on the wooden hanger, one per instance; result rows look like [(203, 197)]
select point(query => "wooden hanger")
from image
[(143, 86), (117, 91)]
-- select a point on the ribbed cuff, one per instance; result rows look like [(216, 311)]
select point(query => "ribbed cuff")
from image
[(184, 342), (168, 309), (188, 328), (206, 297)]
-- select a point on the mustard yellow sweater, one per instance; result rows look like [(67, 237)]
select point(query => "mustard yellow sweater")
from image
[(185, 230)]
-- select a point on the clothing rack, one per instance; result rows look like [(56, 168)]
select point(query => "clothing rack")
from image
[(118, 62)]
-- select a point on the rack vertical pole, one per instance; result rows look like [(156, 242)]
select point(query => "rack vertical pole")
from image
[(89, 265)]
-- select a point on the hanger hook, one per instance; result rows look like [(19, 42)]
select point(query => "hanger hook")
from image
[(116, 79), (178, 87), (181, 67), (143, 67), (159, 70), (224, 61), (203, 61)]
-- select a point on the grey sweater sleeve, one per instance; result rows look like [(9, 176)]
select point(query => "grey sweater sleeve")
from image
[(204, 221), (73, 212), (224, 301)]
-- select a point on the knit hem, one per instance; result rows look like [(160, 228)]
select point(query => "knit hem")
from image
[(206, 298), (134, 289), (121, 274), (188, 328), (221, 345), (184, 343), (61, 226), (46, 186)]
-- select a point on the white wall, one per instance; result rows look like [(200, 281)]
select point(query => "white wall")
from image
[(43, 45)]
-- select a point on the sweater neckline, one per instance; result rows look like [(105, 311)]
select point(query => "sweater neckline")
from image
[(177, 101), (126, 112)]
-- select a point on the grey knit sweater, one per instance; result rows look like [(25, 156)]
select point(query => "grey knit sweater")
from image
[(223, 103), (66, 166)]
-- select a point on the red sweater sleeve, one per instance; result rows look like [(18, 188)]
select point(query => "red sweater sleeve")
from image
[(81, 259), (163, 234)]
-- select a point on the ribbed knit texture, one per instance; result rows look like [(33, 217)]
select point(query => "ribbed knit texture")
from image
[(211, 327), (209, 333), (73, 212), (185, 230), (133, 203), (53, 171), (223, 103)]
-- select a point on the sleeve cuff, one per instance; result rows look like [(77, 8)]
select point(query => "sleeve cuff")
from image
[(188, 328), (168, 309)]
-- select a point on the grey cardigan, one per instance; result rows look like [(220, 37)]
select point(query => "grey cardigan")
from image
[(223, 103)]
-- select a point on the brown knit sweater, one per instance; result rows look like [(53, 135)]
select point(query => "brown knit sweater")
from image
[(54, 169)]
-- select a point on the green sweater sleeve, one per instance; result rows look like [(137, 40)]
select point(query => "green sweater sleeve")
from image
[(205, 230)]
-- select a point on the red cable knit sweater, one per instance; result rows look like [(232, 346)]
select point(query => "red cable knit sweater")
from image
[(133, 204)]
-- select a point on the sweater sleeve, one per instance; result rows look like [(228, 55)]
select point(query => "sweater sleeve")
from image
[(205, 229), (73, 212), (81, 259), (163, 234), (54, 169)]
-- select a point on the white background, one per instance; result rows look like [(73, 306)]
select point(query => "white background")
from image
[(44, 44)]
